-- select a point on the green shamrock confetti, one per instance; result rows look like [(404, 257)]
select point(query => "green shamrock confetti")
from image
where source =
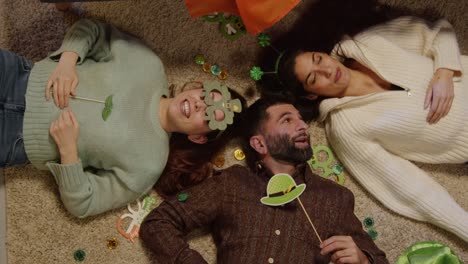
[(368, 222), (256, 73), (263, 40), (79, 255), (337, 169), (373, 234)]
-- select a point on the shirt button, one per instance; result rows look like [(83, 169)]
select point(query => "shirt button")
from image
[(277, 232), (271, 260)]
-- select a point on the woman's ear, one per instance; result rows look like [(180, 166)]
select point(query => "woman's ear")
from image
[(198, 139), (258, 143), (311, 97)]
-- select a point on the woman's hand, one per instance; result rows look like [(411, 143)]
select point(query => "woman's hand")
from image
[(63, 80), (439, 95), (344, 250), (65, 131)]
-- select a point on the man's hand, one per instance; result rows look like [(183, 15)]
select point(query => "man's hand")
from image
[(439, 95), (63, 80), (344, 250), (65, 131)]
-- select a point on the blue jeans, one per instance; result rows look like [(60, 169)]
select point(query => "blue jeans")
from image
[(14, 74)]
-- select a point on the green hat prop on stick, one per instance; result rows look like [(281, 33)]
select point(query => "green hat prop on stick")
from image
[(225, 104), (282, 189)]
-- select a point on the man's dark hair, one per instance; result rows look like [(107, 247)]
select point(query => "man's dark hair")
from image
[(252, 124)]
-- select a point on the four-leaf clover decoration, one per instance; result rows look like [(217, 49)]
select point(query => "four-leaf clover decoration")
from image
[(256, 73)]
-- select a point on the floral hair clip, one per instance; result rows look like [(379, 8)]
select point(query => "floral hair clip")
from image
[(256, 73)]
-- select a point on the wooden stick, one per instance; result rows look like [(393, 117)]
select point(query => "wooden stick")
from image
[(87, 99), (310, 221)]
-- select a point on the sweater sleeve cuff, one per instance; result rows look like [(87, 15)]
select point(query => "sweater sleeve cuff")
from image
[(190, 256), (369, 256), (453, 65), (55, 56), (447, 55), (69, 177)]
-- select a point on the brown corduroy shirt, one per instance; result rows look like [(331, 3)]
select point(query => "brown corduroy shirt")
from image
[(245, 230)]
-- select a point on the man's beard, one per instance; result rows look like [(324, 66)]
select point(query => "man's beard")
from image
[(283, 148)]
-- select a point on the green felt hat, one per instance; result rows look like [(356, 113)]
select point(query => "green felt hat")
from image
[(428, 252), (282, 189)]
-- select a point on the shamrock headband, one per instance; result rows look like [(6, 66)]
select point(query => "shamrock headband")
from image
[(225, 104), (256, 72)]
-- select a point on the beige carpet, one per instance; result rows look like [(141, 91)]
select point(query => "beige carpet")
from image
[(39, 230)]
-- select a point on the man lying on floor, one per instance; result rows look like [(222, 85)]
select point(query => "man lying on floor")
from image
[(247, 230)]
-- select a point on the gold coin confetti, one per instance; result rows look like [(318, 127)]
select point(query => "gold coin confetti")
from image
[(239, 154), (112, 243), (206, 67), (219, 161), (223, 75)]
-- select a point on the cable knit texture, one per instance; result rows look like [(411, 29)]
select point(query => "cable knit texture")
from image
[(377, 135), (120, 158)]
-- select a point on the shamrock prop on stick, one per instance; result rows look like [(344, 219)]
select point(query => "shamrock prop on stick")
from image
[(282, 189), (107, 104)]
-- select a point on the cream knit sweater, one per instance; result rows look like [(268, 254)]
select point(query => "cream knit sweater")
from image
[(377, 135)]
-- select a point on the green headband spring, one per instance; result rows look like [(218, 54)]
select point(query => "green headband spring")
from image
[(256, 72)]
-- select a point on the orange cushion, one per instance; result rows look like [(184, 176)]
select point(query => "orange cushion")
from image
[(257, 15)]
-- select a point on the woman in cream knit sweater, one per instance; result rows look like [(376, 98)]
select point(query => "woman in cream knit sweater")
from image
[(392, 94)]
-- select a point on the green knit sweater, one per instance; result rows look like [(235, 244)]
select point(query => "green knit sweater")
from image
[(120, 158)]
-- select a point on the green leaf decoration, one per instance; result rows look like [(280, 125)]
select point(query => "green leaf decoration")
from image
[(107, 108), (263, 40), (108, 103), (256, 73)]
